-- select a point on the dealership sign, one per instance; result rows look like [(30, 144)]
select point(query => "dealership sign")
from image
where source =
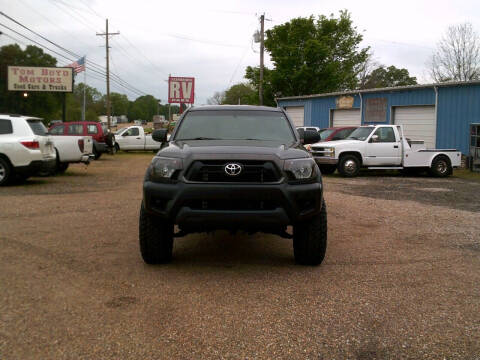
[(181, 90), (33, 78)]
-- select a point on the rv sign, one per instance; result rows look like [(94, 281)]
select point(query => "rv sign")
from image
[(181, 90)]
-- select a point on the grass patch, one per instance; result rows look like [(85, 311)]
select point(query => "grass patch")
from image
[(466, 174)]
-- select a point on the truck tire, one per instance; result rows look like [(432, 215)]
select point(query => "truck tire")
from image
[(5, 172), (110, 140), (156, 238), (310, 239), (349, 166), (96, 154), (327, 169), (441, 166), (61, 167)]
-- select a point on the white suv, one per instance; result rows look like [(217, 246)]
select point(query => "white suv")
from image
[(25, 148)]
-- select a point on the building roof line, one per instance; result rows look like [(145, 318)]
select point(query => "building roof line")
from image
[(395, 88)]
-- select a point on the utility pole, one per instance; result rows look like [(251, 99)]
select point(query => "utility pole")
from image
[(107, 34), (262, 47)]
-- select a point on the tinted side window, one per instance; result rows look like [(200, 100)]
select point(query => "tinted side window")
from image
[(385, 134), (92, 129), (57, 130), (37, 127), (5, 127), (133, 132), (75, 129)]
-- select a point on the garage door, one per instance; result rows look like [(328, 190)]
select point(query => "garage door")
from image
[(346, 118), (418, 123), (296, 113)]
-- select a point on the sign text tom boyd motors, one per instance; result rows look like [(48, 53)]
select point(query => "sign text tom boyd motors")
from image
[(33, 78)]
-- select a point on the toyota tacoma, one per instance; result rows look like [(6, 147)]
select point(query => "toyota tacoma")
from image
[(237, 168)]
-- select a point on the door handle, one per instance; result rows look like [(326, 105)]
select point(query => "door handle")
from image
[(395, 146), (141, 139)]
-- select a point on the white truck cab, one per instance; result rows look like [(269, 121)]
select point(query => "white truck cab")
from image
[(134, 138), (382, 147)]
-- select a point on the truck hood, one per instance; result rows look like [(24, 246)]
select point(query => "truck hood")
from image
[(232, 149), (336, 143)]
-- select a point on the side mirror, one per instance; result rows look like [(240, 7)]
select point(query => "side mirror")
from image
[(125, 133), (374, 138), (160, 135), (310, 137)]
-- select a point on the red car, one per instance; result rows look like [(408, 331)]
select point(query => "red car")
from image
[(336, 133), (103, 140)]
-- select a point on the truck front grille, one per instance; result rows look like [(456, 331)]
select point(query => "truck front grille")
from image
[(253, 171), (232, 205)]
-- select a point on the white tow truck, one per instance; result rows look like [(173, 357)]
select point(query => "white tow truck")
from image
[(383, 147), (134, 138)]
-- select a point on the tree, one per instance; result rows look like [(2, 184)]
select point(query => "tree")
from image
[(313, 56), (119, 103), (217, 98), (242, 93), (382, 77), (457, 57), (41, 104), (144, 107)]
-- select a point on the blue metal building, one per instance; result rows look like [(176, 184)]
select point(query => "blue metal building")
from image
[(440, 114)]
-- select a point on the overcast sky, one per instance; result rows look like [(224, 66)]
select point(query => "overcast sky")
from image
[(212, 40)]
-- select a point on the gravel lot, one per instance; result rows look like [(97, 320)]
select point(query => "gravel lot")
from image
[(400, 279)]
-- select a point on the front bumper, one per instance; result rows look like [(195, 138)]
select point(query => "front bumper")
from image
[(326, 160), (36, 166), (201, 206)]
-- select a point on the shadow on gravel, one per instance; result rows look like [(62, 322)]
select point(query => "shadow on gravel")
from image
[(222, 249), (449, 192)]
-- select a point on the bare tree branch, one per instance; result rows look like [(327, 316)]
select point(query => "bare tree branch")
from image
[(457, 57)]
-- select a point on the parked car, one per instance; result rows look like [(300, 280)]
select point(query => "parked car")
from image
[(103, 140), (336, 133), (235, 168), (25, 148), (312, 128), (134, 138), (383, 147)]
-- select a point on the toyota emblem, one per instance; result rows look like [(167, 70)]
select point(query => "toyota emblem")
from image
[(233, 169)]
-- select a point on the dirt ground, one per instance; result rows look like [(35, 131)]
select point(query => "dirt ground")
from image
[(401, 278)]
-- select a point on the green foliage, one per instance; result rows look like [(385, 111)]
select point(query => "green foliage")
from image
[(242, 93), (311, 56), (39, 104), (383, 77)]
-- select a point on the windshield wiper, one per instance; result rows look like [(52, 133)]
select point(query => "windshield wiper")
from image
[(353, 137), (199, 138)]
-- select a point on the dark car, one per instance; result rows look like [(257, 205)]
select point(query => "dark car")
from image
[(336, 133), (103, 140), (234, 168)]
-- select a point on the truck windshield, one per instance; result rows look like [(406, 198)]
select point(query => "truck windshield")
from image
[(361, 133), (235, 125), (326, 133)]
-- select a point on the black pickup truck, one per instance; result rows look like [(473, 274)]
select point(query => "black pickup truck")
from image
[(234, 168)]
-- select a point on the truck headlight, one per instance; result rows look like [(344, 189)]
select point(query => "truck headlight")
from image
[(163, 168), (301, 169), (329, 151)]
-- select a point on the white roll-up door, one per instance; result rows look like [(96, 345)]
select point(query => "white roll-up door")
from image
[(346, 118), (297, 114), (418, 123)]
